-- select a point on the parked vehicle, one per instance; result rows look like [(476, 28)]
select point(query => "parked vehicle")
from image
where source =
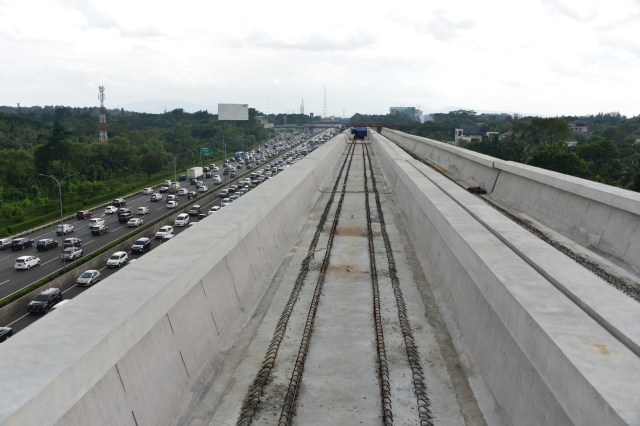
[(44, 301), (71, 253), (88, 278), (142, 245), (46, 244), (26, 262), (21, 244), (117, 259), (83, 214), (64, 229)]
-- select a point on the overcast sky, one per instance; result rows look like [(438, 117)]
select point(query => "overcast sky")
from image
[(541, 57)]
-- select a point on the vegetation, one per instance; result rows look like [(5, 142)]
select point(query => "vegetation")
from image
[(41, 146), (607, 152)]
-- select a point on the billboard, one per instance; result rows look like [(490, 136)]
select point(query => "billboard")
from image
[(235, 112)]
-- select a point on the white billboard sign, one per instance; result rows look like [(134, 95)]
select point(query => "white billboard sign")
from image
[(235, 112)]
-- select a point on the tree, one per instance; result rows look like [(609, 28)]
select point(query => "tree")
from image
[(557, 157), (600, 155), (544, 131)]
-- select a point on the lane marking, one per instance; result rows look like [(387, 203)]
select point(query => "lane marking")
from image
[(25, 315), (49, 261), (4, 282)]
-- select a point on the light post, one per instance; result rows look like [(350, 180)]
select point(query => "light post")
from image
[(175, 157), (59, 183)]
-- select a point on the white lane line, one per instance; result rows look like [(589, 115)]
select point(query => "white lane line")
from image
[(4, 282), (88, 242), (25, 315), (49, 261)]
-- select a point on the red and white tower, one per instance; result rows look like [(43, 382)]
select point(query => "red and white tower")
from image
[(103, 116)]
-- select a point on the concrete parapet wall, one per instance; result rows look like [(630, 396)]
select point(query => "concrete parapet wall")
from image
[(542, 358), (125, 351), (600, 217)]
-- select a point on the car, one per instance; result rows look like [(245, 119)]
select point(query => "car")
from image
[(99, 229), (225, 202), (156, 197), (44, 301), (239, 166), (83, 214), (215, 169), (183, 191), (60, 304), (72, 242), (142, 210), (118, 202), (141, 245), (26, 262), (110, 209), (224, 193), (233, 197), (124, 217), (21, 244), (147, 191), (134, 222), (192, 194), (172, 204), (160, 233), (201, 216), (117, 259), (5, 243), (181, 220), (163, 189), (5, 333), (226, 172), (217, 180), (232, 174), (71, 253), (171, 197), (123, 210), (64, 229), (213, 209), (203, 188), (88, 278), (195, 210), (96, 221), (46, 244)]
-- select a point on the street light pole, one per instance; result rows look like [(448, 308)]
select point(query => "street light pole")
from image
[(175, 157), (59, 183)]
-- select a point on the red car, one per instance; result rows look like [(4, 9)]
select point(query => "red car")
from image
[(83, 214)]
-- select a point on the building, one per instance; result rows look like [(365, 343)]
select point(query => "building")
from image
[(413, 112)]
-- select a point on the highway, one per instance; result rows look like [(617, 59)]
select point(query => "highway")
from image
[(12, 280)]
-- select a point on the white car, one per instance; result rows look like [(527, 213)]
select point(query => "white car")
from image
[(147, 191), (213, 209), (134, 222), (181, 220), (217, 180), (215, 169), (26, 262), (203, 188), (225, 202), (164, 231), (88, 278), (183, 191), (117, 259), (172, 204), (142, 210), (110, 210)]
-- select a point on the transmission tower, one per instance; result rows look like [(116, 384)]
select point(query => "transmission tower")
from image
[(103, 116), (302, 107), (324, 109)]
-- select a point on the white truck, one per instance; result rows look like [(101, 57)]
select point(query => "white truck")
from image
[(194, 173)]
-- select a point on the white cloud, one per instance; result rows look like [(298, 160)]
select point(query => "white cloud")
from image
[(536, 56)]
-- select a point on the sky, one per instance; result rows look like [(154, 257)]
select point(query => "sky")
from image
[(532, 57)]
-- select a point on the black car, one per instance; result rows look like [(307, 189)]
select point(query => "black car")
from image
[(99, 229), (142, 245), (118, 202), (44, 301), (192, 194), (46, 244), (21, 243), (5, 333), (124, 217)]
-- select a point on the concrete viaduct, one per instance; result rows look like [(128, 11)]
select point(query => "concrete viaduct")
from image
[(534, 276)]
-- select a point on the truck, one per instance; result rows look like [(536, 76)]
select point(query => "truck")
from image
[(194, 173)]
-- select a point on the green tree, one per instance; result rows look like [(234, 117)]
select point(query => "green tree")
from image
[(600, 154), (557, 157), (545, 131), (58, 148)]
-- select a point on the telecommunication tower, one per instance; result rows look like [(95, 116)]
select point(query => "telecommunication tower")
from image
[(324, 109), (103, 116), (302, 107)]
